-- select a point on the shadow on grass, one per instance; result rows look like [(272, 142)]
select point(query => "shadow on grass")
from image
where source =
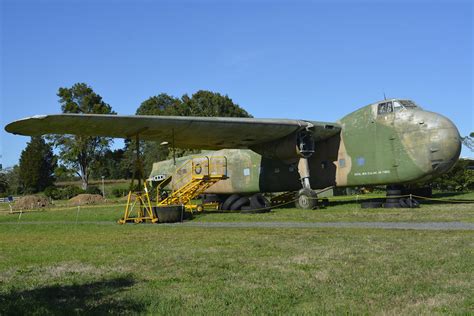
[(89, 298)]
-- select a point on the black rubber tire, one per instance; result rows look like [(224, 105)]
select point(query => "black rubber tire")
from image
[(307, 199), (258, 201), (371, 204), (250, 210), (392, 200), (394, 192), (228, 202), (412, 203), (404, 203), (243, 201), (392, 205)]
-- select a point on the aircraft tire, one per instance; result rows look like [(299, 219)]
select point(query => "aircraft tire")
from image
[(394, 192), (237, 205), (258, 201), (404, 203), (250, 210), (392, 205), (393, 200), (307, 199), (371, 204), (228, 202), (412, 203)]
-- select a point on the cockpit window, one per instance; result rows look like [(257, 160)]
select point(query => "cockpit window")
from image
[(397, 106), (408, 103), (385, 107)]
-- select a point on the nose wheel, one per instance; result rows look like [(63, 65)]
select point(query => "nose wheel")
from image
[(307, 199)]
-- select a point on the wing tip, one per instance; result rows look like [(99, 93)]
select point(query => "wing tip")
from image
[(15, 126)]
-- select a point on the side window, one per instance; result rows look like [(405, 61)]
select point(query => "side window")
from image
[(385, 108)]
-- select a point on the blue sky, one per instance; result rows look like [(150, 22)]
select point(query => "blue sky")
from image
[(300, 59)]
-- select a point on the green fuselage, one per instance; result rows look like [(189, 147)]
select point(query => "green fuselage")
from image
[(382, 143)]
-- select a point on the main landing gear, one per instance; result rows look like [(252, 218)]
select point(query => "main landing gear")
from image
[(307, 198)]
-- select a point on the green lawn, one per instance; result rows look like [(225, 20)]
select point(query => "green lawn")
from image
[(347, 211), (50, 264)]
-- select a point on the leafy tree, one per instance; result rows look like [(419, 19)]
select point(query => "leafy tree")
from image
[(81, 153), (12, 178), (207, 103), (468, 141), (3, 184), (460, 178), (111, 165), (37, 164)]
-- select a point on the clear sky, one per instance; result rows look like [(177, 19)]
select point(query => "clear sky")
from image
[(286, 59)]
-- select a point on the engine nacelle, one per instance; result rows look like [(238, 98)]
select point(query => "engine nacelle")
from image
[(289, 148)]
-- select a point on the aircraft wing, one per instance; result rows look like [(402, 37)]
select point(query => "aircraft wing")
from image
[(185, 131)]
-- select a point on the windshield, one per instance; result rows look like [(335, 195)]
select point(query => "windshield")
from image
[(408, 104)]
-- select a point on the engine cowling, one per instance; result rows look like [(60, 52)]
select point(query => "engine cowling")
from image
[(289, 148)]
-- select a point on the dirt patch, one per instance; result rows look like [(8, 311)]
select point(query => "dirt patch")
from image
[(31, 202), (86, 199)]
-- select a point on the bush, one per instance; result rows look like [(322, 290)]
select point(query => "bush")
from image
[(53, 192), (93, 190), (119, 192), (64, 193), (71, 191)]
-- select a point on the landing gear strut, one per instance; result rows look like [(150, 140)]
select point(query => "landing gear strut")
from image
[(307, 198)]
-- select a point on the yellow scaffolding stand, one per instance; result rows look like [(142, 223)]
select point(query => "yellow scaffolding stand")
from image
[(190, 180), (144, 211), (196, 176)]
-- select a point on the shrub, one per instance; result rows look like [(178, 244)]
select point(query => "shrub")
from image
[(53, 192), (119, 192), (64, 193), (93, 190)]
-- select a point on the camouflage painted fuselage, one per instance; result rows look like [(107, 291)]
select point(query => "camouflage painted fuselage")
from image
[(374, 147)]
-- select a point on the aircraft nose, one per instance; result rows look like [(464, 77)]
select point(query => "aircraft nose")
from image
[(445, 144)]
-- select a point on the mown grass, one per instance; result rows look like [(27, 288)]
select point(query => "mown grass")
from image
[(73, 261), (350, 211), (91, 268)]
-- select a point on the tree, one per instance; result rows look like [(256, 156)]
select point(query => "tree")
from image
[(77, 152), (12, 178), (468, 141), (207, 103), (37, 164), (459, 178), (111, 166), (3, 184)]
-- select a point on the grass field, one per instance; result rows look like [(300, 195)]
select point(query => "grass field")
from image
[(67, 261)]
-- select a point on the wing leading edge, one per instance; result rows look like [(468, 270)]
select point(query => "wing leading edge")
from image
[(186, 132)]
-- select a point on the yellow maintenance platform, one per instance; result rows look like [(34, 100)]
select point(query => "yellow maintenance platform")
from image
[(187, 182)]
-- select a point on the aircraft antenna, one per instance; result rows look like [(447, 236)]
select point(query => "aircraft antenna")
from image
[(384, 97)]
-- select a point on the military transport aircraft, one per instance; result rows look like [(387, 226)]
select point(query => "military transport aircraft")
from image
[(385, 143)]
